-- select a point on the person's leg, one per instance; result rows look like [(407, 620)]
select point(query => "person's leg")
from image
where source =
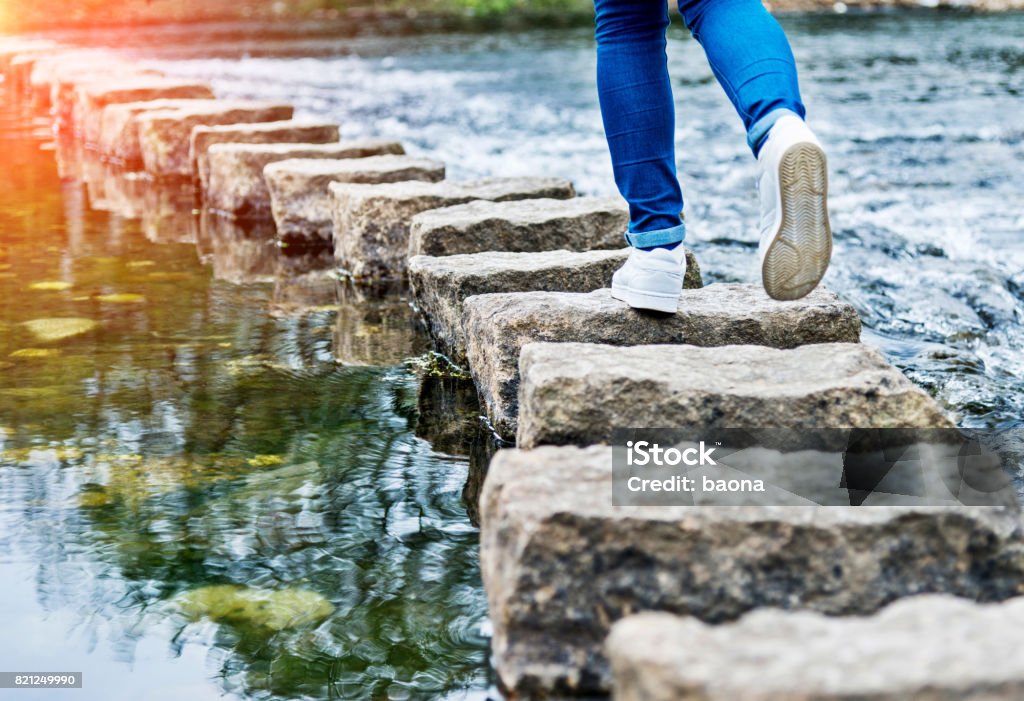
[(639, 117), (751, 57)]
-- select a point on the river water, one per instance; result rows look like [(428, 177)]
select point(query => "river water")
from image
[(226, 424)]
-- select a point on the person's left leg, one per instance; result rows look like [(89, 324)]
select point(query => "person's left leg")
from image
[(751, 57)]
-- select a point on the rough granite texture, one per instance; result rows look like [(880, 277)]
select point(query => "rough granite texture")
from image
[(299, 189), (235, 183), (371, 224), (824, 385), (578, 224), (561, 564), (94, 97), (289, 132), (440, 284), (497, 326), (924, 648), (165, 136), (119, 128)]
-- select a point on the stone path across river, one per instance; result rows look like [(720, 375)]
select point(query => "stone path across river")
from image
[(510, 275)]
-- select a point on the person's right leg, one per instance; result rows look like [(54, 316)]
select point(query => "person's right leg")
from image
[(639, 120)]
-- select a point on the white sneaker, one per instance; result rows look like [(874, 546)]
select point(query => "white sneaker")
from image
[(651, 279), (796, 241)]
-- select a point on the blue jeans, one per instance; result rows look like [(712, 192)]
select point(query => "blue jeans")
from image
[(748, 53)]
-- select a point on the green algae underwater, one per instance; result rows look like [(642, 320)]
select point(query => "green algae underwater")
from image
[(199, 496)]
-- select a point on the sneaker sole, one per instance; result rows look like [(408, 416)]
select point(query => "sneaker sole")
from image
[(798, 256), (645, 300)]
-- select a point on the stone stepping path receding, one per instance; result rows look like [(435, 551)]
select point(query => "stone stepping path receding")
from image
[(561, 564), (497, 326), (119, 128), (293, 131), (927, 647), (235, 185), (300, 199), (165, 137), (94, 97), (577, 224), (823, 385), (372, 224), (440, 284)]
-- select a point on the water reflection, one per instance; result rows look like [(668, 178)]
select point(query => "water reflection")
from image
[(171, 451)]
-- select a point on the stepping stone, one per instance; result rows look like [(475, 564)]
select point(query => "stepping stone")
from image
[(824, 385), (578, 224), (560, 564), (165, 136), (235, 185), (94, 97), (927, 647), (119, 128), (299, 195), (496, 326), (441, 284), (371, 223), (64, 92), (292, 132)]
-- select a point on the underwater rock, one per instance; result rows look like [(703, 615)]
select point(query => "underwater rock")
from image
[(59, 328), (274, 610)]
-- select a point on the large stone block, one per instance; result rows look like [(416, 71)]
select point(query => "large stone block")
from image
[(64, 104), (289, 132), (165, 136), (119, 128), (235, 185), (824, 385), (94, 96), (560, 563), (927, 647), (371, 224), (441, 284), (578, 224), (300, 198), (497, 326)]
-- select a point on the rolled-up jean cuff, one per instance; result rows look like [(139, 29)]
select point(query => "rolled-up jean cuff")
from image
[(661, 237), (759, 129)]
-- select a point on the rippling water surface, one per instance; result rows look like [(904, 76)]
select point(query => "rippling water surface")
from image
[(230, 428)]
